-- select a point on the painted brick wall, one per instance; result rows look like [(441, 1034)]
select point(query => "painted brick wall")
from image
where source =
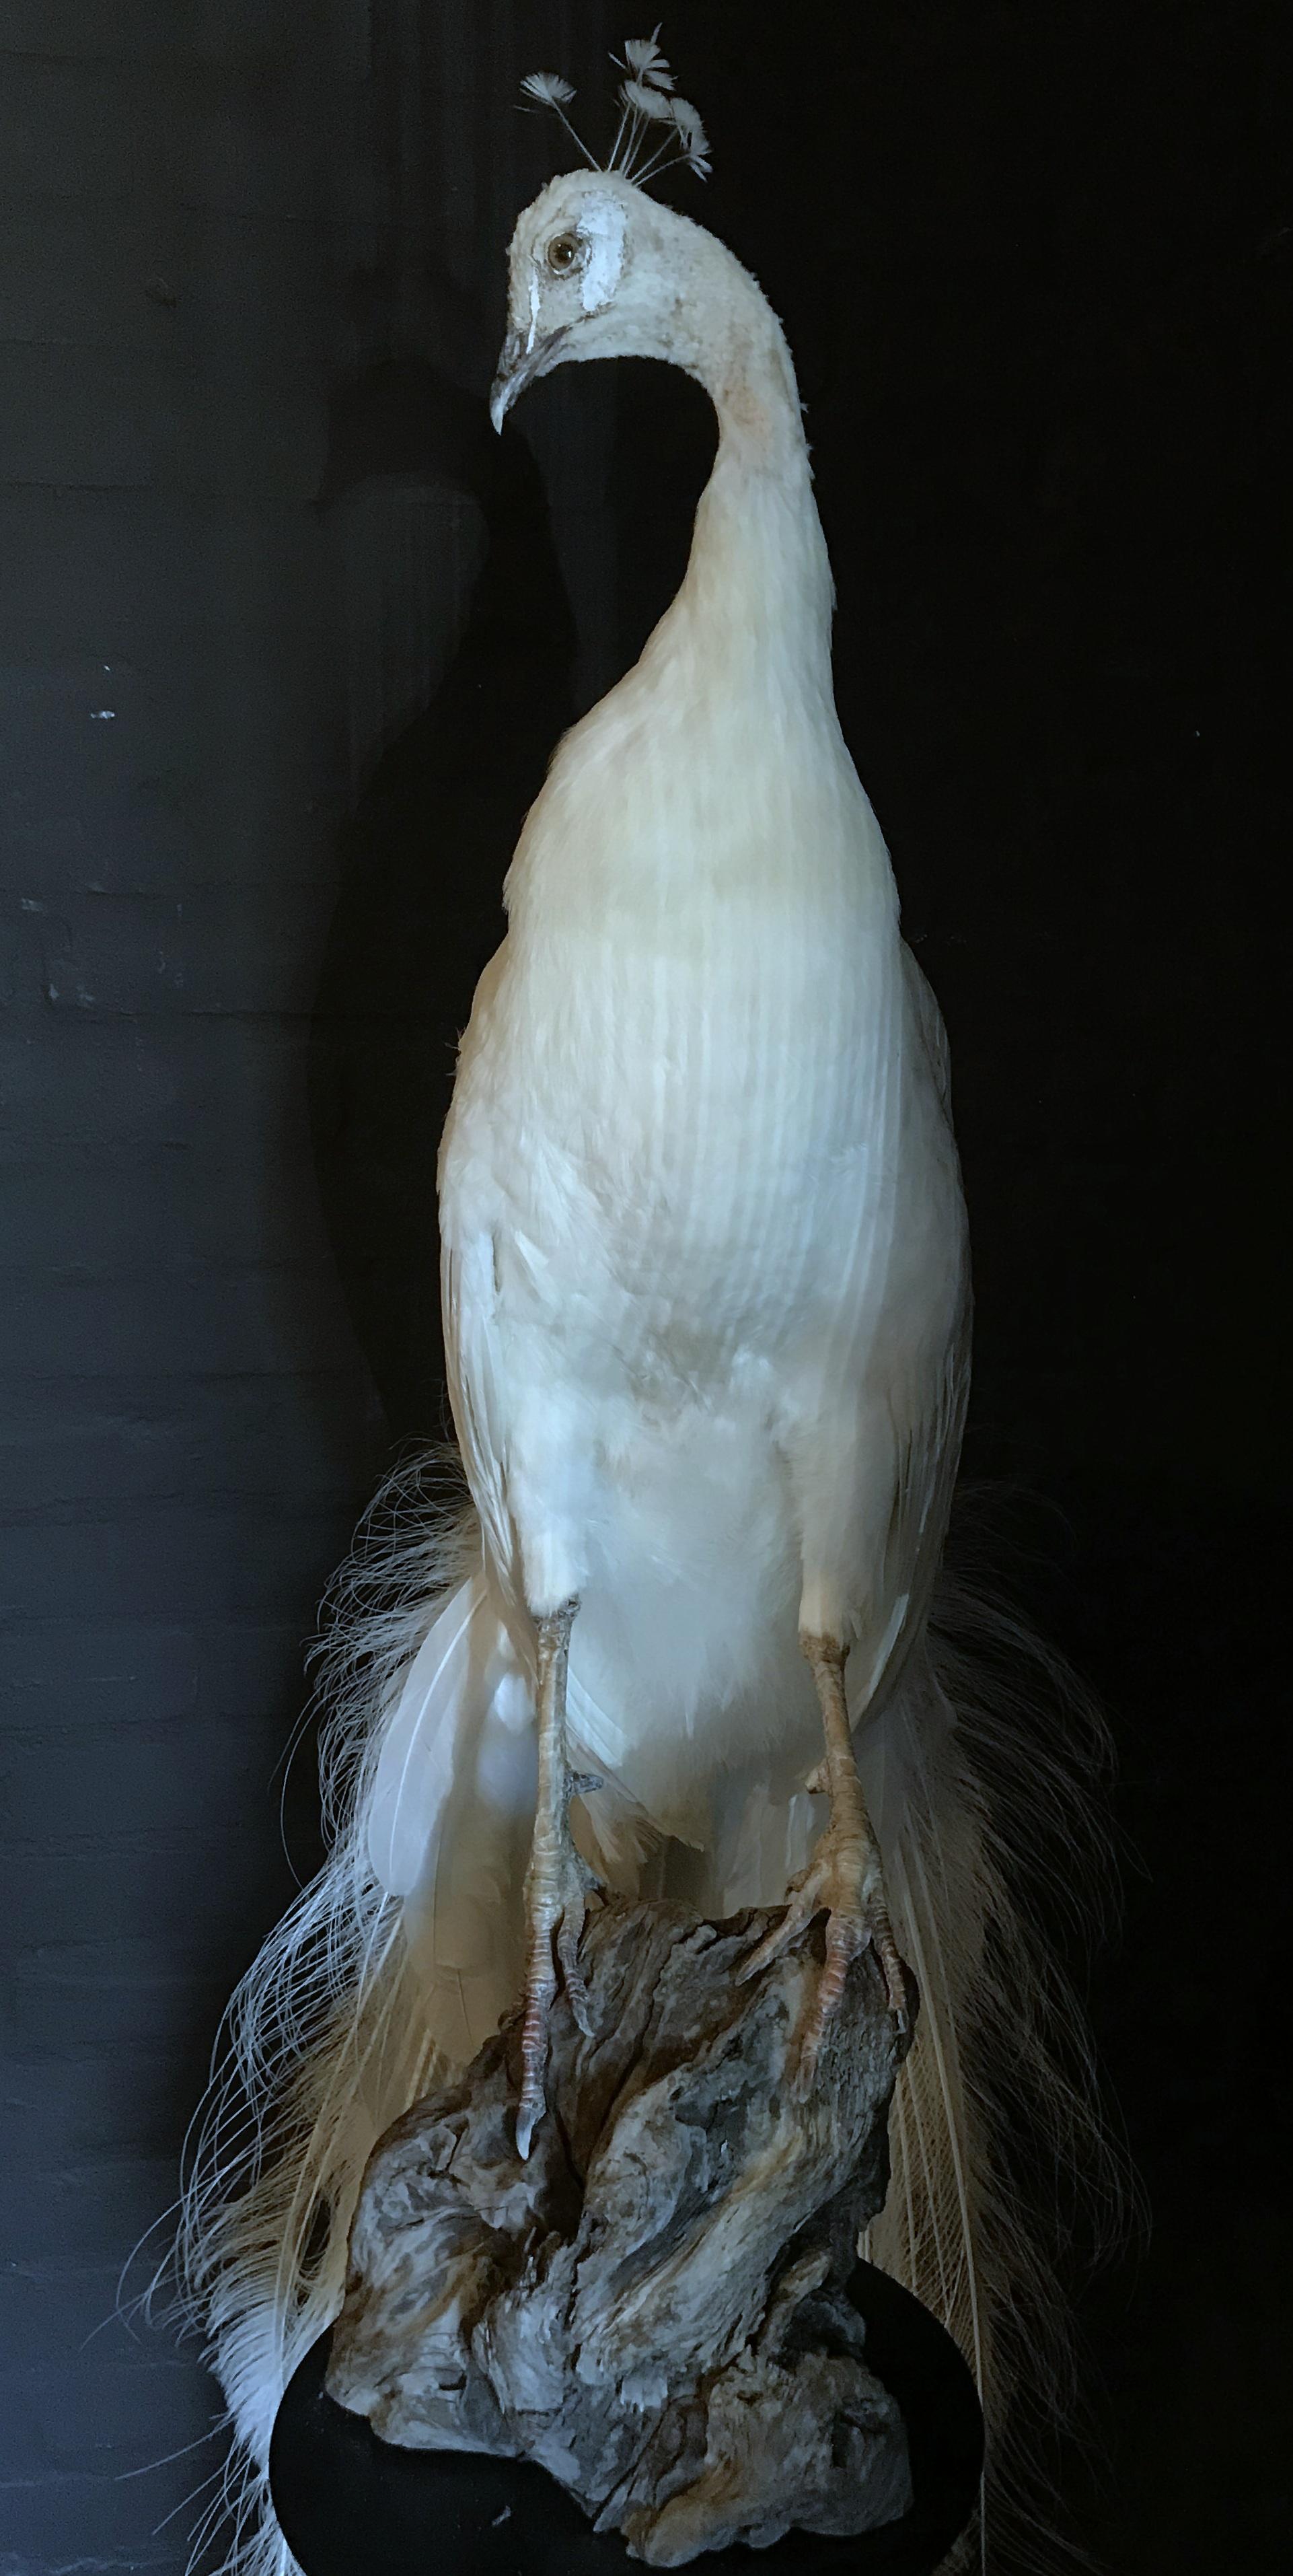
[(212, 214), (187, 1418)]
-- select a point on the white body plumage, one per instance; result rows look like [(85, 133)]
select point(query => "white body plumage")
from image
[(706, 1304), (703, 1232)]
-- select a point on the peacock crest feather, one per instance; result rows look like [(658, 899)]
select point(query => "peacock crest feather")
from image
[(657, 129)]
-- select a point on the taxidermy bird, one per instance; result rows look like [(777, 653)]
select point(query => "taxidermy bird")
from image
[(706, 1302)]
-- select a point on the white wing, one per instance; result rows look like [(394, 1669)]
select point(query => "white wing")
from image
[(469, 1295), (930, 1426), (471, 1338)]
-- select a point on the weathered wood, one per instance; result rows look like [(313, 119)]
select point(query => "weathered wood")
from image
[(653, 2306)]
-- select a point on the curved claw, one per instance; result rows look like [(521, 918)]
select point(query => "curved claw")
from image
[(531, 2101), (846, 1939), (853, 1926), (793, 1922), (529, 2111), (558, 1915), (590, 1882), (568, 1940), (801, 1909), (895, 1976)]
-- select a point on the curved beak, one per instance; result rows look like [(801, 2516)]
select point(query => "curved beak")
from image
[(519, 365)]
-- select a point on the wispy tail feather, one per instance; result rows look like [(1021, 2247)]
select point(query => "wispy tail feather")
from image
[(331, 2033), (979, 1772), (1001, 2154)]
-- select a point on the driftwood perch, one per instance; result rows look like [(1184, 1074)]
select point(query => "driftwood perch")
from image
[(653, 2306)]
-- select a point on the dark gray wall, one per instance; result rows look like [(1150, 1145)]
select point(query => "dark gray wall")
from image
[(219, 221)]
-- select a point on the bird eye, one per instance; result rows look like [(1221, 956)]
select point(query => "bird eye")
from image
[(563, 252)]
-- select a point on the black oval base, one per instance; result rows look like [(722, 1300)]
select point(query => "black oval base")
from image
[(348, 2502)]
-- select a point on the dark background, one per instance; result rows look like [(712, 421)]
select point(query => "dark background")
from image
[(287, 637)]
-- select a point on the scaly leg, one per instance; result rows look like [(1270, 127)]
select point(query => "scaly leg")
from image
[(558, 1881), (843, 1877)]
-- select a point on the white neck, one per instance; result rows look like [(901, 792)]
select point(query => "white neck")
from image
[(757, 591), (717, 760)]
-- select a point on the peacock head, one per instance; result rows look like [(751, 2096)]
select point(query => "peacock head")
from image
[(599, 270)]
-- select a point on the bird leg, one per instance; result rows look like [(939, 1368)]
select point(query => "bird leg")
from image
[(558, 1882), (843, 1878)]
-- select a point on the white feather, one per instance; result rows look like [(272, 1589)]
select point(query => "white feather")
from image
[(600, 274), (643, 100), (547, 89), (706, 1310), (642, 57)]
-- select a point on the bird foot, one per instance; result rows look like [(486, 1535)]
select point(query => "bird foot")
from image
[(842, 1880), (558, 1885)]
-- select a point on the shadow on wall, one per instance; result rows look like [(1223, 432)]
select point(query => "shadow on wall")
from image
[(422, 861)]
